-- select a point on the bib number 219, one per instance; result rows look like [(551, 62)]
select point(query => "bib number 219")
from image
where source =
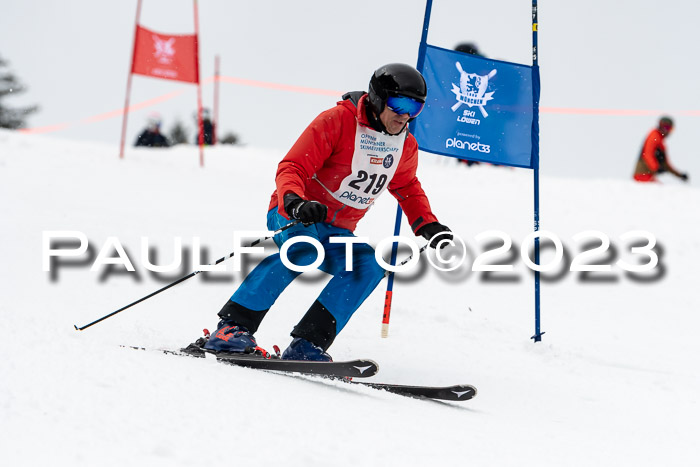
[(363, 177)]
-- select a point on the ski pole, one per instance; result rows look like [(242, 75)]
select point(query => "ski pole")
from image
[(408, 258), (387, 298), (182, 279)]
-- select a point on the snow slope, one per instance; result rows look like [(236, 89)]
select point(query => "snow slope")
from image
[(614, 381)]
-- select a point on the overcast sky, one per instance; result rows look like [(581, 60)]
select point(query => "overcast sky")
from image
[(73, 55)]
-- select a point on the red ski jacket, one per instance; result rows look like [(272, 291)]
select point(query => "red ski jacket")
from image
[(649, 163), (654, 142), (340, 161)]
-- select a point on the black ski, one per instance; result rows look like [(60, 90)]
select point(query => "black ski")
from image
[(360, 368), (459, 392)]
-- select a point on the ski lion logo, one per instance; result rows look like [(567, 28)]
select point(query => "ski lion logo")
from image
[(472, 90), (164, 50)]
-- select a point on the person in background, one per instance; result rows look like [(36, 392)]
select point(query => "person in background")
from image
[(468, 48), (151, 136), (347, 157), (653, 159), (208, 127)]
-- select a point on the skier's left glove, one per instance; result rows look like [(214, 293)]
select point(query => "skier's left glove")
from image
[(308, 212), (437, 232)]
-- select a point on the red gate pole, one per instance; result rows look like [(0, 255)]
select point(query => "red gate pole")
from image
[(128, 82)]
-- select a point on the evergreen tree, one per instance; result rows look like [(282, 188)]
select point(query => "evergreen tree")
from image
[(178, 133), (229, 138), (9, 86)]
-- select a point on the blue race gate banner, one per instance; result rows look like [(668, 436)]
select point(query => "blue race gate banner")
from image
[(477, 109)]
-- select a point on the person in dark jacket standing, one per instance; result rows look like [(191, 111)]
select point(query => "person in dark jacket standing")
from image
[(209, 129), (347, 157), (653, 159)]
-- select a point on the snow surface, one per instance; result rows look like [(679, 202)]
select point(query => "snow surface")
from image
[(614, 381)]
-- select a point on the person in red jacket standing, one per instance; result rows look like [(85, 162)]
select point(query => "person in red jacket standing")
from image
[(346, 158), (653, 159)]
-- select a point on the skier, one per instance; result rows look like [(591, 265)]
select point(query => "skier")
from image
[(653, 159), (346, 158)]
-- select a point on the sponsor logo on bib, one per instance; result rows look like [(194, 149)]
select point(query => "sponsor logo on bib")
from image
[(388, 161)]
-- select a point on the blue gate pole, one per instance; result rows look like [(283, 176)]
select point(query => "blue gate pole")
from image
[(397, 226), (536, 162)]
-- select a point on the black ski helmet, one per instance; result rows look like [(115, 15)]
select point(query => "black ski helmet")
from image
[(666, 121), (395, 79)]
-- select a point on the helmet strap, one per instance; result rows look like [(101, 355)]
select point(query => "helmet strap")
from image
[(374, 120)]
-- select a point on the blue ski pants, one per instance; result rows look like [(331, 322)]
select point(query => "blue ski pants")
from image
[(343, 294)]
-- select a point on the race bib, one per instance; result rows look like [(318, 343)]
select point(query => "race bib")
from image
[(374, 164)]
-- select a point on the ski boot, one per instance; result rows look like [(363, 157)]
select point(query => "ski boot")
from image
[(228, 338), (301, 349)]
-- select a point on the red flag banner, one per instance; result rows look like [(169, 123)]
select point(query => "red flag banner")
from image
[(165, 56)]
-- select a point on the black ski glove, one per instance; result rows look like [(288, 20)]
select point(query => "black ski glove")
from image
[(437, 230), (308, 212), (684, 177)]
